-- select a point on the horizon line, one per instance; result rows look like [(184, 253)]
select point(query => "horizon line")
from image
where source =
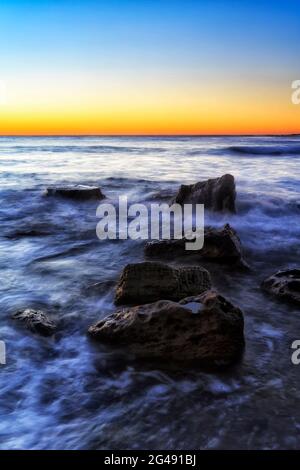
[(289, 134)]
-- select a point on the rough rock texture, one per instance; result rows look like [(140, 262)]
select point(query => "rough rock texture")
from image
[(284, 284), (36, 321), (149, 281), (80, 192), (220, 244), (206, 329), (216, 194)]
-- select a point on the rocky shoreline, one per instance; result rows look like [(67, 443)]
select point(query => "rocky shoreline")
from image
[(174, 313)]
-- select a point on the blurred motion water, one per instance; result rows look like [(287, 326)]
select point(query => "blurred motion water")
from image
[(69, 393)]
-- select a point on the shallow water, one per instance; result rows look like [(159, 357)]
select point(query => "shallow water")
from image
[(67, 392)]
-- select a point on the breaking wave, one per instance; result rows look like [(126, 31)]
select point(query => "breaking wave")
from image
[(265, 150)]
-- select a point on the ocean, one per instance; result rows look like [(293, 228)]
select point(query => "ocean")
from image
[(66, 392)]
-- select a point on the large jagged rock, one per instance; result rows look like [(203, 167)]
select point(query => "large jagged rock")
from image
[(217, 194), (206, 329), (79, 192), (145, 282), (220, 244), (284, 284), (36, 321)]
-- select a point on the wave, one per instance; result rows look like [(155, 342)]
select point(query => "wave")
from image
[(265, 150), (83, 149)]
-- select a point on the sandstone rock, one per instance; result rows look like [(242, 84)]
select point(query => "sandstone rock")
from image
[(80, 192), (206, 329), (36, 321), (149, 281), (284, 284), (216, 194), (220, 244)]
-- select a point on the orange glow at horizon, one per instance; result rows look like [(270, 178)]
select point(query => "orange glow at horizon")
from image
[(142, 107)]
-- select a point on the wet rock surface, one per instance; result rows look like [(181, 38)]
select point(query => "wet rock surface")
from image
[(79, 192), (206, 329), (36, 321), (284, 285), (148, 281), (220, 244), (217, 194)]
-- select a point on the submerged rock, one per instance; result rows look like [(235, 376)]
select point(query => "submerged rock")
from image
[(206, 329), (148, 281), (284, 284), (80, 192), (217, 194), (36, 321), (27, 232), (220, 244)]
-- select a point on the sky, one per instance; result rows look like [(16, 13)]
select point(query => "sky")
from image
[(148, 67)]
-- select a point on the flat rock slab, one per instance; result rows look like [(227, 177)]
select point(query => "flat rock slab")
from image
[(284, 285), (220, 244), (206, 329), (79, 192), (148, 281), (217, 194), (36, 321)]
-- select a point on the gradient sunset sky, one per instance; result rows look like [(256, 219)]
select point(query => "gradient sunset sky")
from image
[(149, 67)]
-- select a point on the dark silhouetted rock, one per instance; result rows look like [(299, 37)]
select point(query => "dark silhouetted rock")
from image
[(216, 194), (149, 281), (284, 284), (36, 321), (206, 329), (79, 192), (220, 244)]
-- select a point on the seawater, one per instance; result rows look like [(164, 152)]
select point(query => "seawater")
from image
[(67, 392)]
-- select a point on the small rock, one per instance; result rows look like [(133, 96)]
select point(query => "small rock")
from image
[(216, 194), (36, 321), (211, 334), (284, 284), (148, 281), (220, 244), (80, 192)]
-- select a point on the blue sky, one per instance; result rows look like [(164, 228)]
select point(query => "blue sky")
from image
[(242, 41)]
